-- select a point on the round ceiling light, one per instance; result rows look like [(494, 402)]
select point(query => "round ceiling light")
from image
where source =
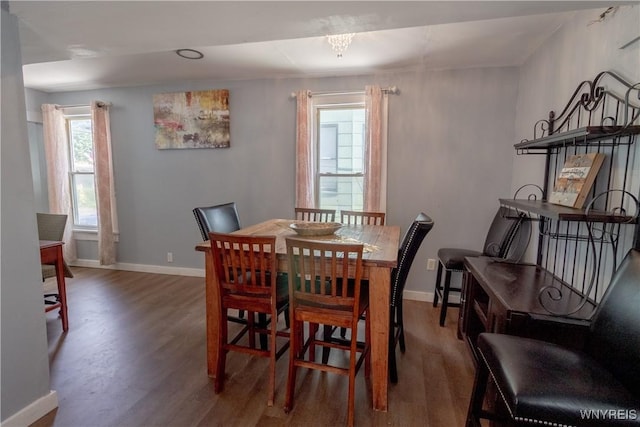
[(189, 53)]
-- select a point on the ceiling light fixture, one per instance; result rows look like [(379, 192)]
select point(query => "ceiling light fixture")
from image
[(190, 53), (340, 42)]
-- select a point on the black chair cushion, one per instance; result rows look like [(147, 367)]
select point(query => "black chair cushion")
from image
[(545, 383), (453, 258)]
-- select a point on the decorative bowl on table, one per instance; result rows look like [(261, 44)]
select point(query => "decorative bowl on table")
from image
[(315, 228)]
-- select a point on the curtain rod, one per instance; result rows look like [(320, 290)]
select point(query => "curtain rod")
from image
[(100, 104), (393, 90)]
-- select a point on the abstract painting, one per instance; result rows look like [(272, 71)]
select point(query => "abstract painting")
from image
[(192, 119)]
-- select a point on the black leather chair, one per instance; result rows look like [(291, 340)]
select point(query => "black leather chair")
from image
[(540, 383), (507, 238), (219, 218), (409, 247)]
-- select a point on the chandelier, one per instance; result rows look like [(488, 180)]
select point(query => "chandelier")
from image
[(340, 42)]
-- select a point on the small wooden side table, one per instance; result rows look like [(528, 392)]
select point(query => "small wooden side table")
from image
[(51, 253)]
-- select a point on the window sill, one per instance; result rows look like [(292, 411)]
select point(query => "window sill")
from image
[(90, 235)]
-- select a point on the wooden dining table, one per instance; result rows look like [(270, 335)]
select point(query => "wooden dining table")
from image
[(379, 258)]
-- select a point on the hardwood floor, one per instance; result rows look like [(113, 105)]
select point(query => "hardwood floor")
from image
[(134, 356)]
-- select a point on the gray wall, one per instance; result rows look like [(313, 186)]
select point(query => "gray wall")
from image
[(578, 51), (23, 347), (36, 148), (450, 137)]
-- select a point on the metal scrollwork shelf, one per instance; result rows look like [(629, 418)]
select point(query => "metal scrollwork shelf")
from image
[(582, 247)]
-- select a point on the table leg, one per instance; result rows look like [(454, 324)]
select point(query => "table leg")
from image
[(379, 295), (213, 315)]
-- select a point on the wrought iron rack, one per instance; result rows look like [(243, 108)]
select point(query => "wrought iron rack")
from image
[(582, 247)]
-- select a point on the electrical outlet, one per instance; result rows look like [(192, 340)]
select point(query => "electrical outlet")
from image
[(169, 256), (431, 264)]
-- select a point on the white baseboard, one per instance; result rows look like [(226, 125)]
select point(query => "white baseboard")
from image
[(142, 268), (33, 412), (427, 296), (199, 272), (418, 296)]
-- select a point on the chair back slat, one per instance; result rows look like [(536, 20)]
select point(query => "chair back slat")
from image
[(315, 215), (362, 217)]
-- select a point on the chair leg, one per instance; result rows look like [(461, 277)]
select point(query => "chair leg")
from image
[(367, 343), (445, 297), (351, 403), (393, 369), (477, 395), (272, 358), (438, 288), (287, 322), (300, 337), (400, 323), (313, 330), (353, 357), (251, 324), (262, 322), (327, 332), (295, 349)]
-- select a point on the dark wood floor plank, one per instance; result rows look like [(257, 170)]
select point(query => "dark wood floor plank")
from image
[(135, 356)]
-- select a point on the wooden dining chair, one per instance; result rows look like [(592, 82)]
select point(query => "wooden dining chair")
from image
[(362, 217), (319, 295), (315, 215), (247, 279)]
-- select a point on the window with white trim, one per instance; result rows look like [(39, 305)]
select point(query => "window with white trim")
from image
[(82, 172), (339, 143)]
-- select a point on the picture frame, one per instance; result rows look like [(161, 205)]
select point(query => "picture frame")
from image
[(194, 119)]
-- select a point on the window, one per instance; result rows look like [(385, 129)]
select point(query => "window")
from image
[(82, 172), (77, 142), (341, 149), (339, 145)]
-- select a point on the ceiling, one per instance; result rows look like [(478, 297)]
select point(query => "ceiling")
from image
[(80, 45)]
